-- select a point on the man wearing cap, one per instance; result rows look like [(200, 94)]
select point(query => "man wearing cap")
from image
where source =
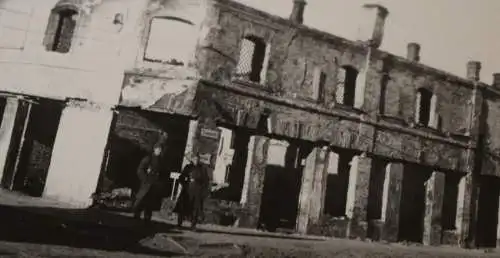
[(148, 198), (195, 183)]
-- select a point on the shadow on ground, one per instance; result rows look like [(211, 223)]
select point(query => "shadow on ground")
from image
[(89, 228), (263, 235)]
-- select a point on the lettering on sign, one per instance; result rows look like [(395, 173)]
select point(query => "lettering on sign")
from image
[(210, 133), (205, 158), (175, 175)]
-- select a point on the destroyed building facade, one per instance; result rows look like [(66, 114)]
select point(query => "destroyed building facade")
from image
[(303, 129)]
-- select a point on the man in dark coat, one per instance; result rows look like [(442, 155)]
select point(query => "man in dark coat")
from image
[(195, 183), (148, 198)]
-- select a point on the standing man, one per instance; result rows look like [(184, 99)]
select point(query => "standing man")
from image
[(195, 183), (148, 198)]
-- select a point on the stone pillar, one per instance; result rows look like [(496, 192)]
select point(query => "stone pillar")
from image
[(312, 189), (433, 209), (78, 153), (254, 180), (6, 130), (317, 201), (190, 142), (391, 200), (464, 202), (357, 196)]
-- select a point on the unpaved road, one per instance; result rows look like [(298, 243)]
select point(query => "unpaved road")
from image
[(52, 232)]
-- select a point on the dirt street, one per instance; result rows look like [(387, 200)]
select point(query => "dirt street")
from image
[(40, 231)]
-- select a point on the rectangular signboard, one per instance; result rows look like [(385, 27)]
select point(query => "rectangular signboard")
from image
[(175, 175), (210, 133)]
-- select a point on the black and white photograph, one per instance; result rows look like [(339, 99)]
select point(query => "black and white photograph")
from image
[(250, 128)]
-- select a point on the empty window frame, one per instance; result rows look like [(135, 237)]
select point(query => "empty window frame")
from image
[(60, 30), (253, 59), (171, 40), (346, 85), (318, 89), (426, 104)]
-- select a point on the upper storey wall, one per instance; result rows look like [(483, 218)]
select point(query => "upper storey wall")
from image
[(81, 48), (80, 63), (304, 64)]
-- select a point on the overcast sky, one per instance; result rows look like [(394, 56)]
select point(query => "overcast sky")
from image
[(450, 32)]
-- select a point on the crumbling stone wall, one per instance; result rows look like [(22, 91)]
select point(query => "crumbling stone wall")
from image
[(383, 126), (454, 97), (491, 147), (296, 51)]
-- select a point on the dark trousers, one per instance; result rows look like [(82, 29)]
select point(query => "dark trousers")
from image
[(194, 214), (140, 208)]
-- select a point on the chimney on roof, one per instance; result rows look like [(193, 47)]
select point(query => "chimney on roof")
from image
[(413, 52), (496, 80), (372, 26), (473, 70), (297, 15)]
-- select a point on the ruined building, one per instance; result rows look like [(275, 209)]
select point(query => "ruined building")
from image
[(303, 130)]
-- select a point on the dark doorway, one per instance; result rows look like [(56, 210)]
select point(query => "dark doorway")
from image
[(487, 220), (16, 143), (32, 142), (281, 191), (38, 144), (412, 209), (337, 183), (132, 138), (236, 175), (449, 215)]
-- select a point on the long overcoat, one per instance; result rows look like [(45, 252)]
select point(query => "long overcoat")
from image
[(149, 195), (195, 182)]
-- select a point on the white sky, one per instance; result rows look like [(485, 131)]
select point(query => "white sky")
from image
[(450, 32)]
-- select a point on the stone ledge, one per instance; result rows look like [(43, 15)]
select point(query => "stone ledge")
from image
[(450, 237), (330, 227)]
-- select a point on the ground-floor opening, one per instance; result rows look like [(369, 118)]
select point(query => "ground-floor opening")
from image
[(488, 208), (34, 129), (230, 163), (337, 183), (282, 183), (376, 194), (413, 199), (450, 200), (132, 137)]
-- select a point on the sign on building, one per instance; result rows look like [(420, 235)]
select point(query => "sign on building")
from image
[(210, 133), (205, 158)]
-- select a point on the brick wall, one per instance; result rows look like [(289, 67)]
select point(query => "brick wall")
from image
[(296, 52), (491, 148)]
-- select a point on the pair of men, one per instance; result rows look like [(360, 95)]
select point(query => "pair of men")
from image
[(194, 182)]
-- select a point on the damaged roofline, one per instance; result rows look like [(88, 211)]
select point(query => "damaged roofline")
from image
[(286, 23), (431, 70), (351, 44)]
